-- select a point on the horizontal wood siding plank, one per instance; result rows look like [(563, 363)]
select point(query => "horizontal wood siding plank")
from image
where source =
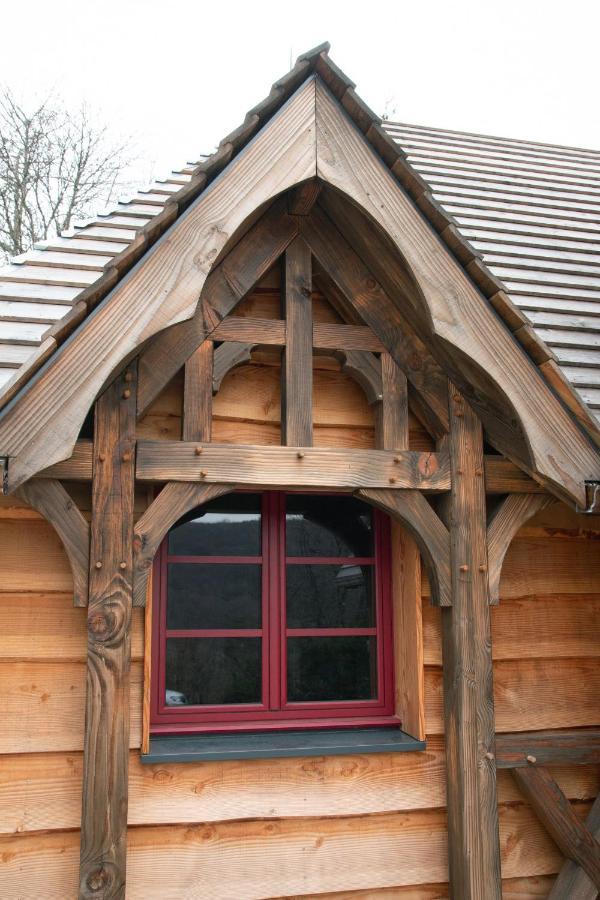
[(42, 791), (42, 706)]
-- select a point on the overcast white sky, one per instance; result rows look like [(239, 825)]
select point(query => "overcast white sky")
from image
[(179, 75)]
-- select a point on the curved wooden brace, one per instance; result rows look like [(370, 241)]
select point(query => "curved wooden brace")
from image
[(49, 498), (365, 368), (433, 538), (509, 517), (175, 499), (227, 357)]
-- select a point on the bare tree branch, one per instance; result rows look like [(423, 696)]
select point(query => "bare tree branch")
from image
[(55, 166)]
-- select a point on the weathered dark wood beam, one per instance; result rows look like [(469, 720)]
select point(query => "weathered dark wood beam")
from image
[(106, 741), (391, 426), (291, 466), (325, 336), (570, 834), (501, 476), (572, 881), (227, 357), (297, 365), (580, 746), (233, 278), (413, 511), (175, 499), (301, 199), (197, 394), (508, 518), (51, 500), (473, 839), (375, 308)]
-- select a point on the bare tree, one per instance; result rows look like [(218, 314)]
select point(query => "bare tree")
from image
[(54, 167)]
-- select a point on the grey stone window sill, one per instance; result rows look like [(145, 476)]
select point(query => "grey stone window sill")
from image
[(269, 744)]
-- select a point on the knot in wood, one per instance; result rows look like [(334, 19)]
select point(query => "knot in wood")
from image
[(97, 880), (100, 626), (306, 291), (415, 362), (371, 284)]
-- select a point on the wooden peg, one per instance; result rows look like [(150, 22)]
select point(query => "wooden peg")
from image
[(531, 759)]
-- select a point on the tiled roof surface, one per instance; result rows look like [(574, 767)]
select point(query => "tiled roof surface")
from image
[(524, 219)]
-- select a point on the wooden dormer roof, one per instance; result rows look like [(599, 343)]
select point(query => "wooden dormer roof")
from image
[(523, 217), (309, 116)]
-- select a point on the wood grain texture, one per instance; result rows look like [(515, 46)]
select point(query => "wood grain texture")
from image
[(106, 741), (571, 835), (550, 748), (416, 515), (370, 302), (174, 500), (227, 357), (468, 334), (197, 394), (42, 791), (504, 477), (474, 851), (51, 499), (291, 466), (297, 366), (392, 428), (161, 291), (508, 519), (409, 684), (573, 882)]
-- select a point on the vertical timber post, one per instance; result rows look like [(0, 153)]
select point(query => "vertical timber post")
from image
[(297, 374), (474, 847), (106, 745)]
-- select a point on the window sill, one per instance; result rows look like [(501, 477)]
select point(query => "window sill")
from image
[(269, 745)]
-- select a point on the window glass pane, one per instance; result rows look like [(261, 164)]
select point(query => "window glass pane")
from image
[(330, 596), (228, 526), (317, 525), (213, 670), (331, 668), (214, 595)]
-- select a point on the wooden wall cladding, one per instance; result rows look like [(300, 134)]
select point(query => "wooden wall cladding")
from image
[(360, 827)]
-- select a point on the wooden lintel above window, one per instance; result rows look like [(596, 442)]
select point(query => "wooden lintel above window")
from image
[(501, 475), (291, 466)]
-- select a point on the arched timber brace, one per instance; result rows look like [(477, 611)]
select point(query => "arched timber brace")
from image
[(473, 838), (50, 499), (175, 499), (431, 535), (106, 741), (511, 515)]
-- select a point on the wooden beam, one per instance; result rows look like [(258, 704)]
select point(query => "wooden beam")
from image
[(197, 394), (549, 748), (225, 286), (501, 476), (365, 369), (297, 365), (160, 291), (291, 466), (413, 511), (175, 499), (473, 841), (303, 198), (509, 517), (51, 500), (525, 419), (375, 308), (106, 741), (392, 413), (325, 336), (558, 817), (572, 880)]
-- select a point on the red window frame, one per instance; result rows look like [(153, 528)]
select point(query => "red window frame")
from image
[(275, 711)]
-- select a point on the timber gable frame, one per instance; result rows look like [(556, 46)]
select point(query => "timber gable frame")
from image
[(518, 409)]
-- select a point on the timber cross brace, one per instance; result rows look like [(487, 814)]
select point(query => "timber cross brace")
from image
[(389, 280)]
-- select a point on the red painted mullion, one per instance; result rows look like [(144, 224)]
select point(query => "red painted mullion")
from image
[(216, 560), (201, 633), (330, 560), (267, 642), (331, 632), (282, 599)]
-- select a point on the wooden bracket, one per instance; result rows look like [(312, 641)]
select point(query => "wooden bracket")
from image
[(175, 499), (50, 499), (509, 517)]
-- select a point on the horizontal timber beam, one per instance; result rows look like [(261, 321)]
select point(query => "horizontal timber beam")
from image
[(326, 336), (291, 466), (501, 476), (575, 747)]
